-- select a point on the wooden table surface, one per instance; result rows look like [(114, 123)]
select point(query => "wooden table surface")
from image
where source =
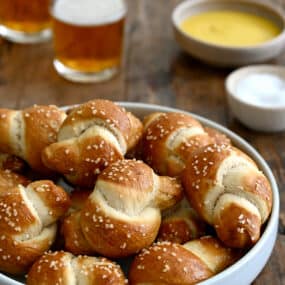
[(155, 71)]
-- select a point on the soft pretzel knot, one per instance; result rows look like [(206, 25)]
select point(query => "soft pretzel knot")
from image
[(11, 162), (175, 264), (217, 136), (28, 217), (227, 189), (73, 237), (93, 135), (122, 215), (71, 233), (70, 236), (26, 133), (168, 140), (78, 198), (181, 224), (63, 268), (10, 179)]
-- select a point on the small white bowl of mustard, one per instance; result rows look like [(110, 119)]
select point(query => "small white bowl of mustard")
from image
[(230, 32)]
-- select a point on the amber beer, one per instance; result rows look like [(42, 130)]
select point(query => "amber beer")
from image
[(88, 41), (25, 20)]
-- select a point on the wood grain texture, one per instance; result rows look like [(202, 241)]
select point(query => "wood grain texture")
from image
[(155, 70)]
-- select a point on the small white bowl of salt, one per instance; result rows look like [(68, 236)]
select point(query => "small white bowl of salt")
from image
[(256, 96)]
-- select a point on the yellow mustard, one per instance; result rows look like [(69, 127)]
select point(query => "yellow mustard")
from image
[(230, 28)]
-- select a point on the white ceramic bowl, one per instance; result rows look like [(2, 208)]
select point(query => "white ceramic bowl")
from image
[(245, 270), (224, 55), (266, 118)]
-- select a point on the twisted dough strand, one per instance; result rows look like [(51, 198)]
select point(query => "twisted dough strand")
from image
[(123, 213), (63, 268), (28, 217), (27, 132), (93, 135), (168, 140), (175, 264), (227, 189)]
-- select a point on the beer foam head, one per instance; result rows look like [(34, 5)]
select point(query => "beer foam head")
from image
[(89, 12)]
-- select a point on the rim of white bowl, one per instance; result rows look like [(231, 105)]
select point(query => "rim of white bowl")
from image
[(239, 142), (274, 9), (235, 77)]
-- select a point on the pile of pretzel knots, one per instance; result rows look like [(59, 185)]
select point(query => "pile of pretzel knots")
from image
[(175, 198)]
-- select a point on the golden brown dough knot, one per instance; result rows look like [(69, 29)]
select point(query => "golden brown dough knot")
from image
[(78, 198), (26, 133), (175, 264), (12, 162), (217, 136), (28, 217), (93, 135), (181, 224), (71, 233), (73, 237), (64, 268), (168, 140), (122, 215), (227, 189), (10, 179)]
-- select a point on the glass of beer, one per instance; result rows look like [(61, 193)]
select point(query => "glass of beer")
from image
[(88, 38), (25, 21)]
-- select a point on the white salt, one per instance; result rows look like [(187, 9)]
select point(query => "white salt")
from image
[(262, 89)]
